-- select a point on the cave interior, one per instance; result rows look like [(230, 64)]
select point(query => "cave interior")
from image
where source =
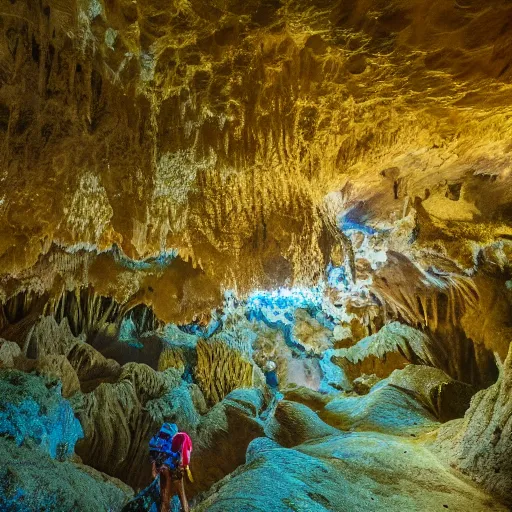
[(283, 225)]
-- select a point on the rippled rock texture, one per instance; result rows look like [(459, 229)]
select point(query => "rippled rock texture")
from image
[(345, 472), (204, 385), (480, 444), (235, 134)]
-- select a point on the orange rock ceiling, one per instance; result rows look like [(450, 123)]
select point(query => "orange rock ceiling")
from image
[(235, 133)]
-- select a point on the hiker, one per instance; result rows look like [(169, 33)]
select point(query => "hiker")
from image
[(270, 371), (169, 453)]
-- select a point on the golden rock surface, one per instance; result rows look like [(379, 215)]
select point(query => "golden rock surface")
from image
[(235, 132)]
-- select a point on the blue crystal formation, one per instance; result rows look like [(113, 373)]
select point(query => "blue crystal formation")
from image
[(33, 412)]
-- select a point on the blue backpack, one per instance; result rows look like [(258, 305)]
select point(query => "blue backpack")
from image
[(160, 446)]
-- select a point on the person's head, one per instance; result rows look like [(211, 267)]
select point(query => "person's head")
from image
[(270, 366)]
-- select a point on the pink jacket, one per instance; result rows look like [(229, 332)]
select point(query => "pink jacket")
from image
[(181, 442)]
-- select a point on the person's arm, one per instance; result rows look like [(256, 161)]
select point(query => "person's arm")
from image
[(154, 471)]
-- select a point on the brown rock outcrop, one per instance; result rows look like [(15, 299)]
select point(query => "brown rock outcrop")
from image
[(480, 444), (58, 366), (445, 397), (118, 421), (10, 352), (294, 424), (393, 347), (91, 367), (49, 337)]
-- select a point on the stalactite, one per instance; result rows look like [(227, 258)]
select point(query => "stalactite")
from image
[(410, 287), (424, 301), (62, 305), (452, 301), (435, 315)]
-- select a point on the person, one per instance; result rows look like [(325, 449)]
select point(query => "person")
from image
[(169, 452), (270, 371)]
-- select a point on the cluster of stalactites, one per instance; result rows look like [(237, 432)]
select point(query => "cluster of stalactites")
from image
[(424, 298), (86, 312)]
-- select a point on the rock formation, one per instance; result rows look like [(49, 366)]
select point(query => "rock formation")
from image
[(38, 434), (480, 443), (344, 472), (239, 122), (31, 480), (220, 370)]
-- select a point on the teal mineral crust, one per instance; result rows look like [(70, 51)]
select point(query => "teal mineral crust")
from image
[(33, 412)]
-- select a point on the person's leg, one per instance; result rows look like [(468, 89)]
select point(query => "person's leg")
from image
[(165, 490), (179, 486)]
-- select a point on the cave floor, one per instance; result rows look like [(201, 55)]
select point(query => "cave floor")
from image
[(354, 471)]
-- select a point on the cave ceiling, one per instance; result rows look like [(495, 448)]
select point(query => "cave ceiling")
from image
[(185, 147)]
